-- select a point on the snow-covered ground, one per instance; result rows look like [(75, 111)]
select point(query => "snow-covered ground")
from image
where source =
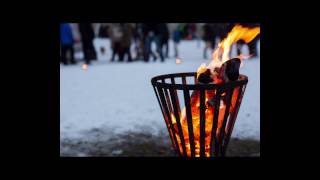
[(119, 96)]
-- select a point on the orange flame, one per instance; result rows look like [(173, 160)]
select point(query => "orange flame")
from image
[(237, 33), (222, 53), (195, 104), (201, 69), (219, 56)]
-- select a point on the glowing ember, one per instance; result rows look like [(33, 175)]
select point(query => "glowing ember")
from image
[(84, 66), (219, 57), (178, 61)]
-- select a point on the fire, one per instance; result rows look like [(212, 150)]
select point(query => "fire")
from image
[(195, 104), (219, 56), (237, 33), (222, 53), (202, 68)]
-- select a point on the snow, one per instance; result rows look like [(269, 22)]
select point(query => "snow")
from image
[(119, 96)]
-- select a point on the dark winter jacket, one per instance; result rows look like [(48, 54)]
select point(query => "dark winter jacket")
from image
[(127, 30), (208, 32), (115, 34), (176, 36), (148, 27), (163, 31), (86, 31), (66, 37)]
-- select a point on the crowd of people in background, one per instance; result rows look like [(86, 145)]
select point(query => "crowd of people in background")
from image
[(67, 42), (142, 35)]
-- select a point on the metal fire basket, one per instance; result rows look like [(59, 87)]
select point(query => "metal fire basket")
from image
[(168, 91)]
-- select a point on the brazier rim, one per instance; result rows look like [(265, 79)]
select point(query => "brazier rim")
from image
[(242, 80)]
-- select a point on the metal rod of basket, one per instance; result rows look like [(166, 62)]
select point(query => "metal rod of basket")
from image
[(204, 128)]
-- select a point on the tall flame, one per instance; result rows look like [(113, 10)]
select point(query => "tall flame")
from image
[(219, 56), (222, 53)]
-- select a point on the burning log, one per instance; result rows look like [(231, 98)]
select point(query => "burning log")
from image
[(229, 70), (206, 77)]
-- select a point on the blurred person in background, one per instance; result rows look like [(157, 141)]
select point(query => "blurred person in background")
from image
[(161, 37), (66, 40), (164, 36), (148, 30), (103, 33), (125, 42), (138, 41), (222, 30), (87, 36), (183, 28), (208, 37), (191, 29), (116, 35), (103, 30), (176, 36), (197, 33)]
